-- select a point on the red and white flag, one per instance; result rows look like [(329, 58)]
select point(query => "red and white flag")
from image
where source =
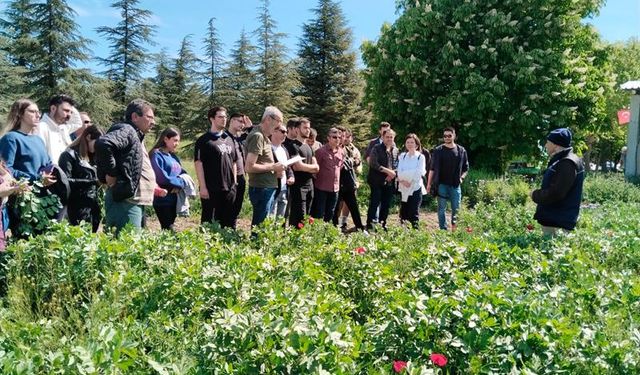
[(624, 116)]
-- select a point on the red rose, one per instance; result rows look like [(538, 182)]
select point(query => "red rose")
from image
[(300, 225), (529, 226), (398, 366), (361, 250), (469, 229), (311, 220), (438, 359)]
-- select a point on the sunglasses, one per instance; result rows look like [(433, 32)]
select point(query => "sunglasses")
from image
[(283, 131), (447, 136), (87, 122)]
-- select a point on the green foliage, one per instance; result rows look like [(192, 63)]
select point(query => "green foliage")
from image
[(504, 72), (239, 90), (483, 187), (275, 76), (59, 47), (213, 62), (329, 82), (128, 41), (498, 298), (604, 188), (36, 210)]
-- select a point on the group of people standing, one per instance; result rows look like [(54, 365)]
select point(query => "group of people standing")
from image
[(286, 171)]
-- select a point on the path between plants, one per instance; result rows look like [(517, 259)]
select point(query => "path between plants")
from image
[(428, 220)]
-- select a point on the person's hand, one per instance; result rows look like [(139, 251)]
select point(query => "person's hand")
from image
[(204, 193), (291, 180), (278, 167), (391, 174), (110, 180), (48, 179), (162, 193), (405, 183), (247, 122)]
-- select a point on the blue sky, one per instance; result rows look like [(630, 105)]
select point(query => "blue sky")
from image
[(618, 20)]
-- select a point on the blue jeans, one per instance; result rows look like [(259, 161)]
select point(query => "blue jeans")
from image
[(119, 214), (261, 200), (279, 207), (448, 193)]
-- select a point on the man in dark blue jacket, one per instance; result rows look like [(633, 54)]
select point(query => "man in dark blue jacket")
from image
[(124, 166), (561, 193)]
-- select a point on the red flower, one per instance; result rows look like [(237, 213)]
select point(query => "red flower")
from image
[(311, 220), (438, 359), (300, 225), (469, 229), (529, 227), (398, 366), (360, 250)]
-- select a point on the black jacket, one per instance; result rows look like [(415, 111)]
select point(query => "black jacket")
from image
[(379, 157), (561, 193), (119, 154), (82, 176)]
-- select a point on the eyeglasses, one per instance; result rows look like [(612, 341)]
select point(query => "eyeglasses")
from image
[(447, 136), (334, 137), (283, 131)]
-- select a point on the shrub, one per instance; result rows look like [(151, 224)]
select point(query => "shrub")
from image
[(481, 186), (611, 187)]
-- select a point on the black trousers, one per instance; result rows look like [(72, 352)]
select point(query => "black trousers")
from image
[(349, 198), (381, 196), (89, 213), (300, 201), (239, 199), (219, 207), (166, 216), (409, 209)]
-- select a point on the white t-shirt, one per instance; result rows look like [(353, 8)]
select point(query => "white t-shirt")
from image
[(281, 156), (56, 137)]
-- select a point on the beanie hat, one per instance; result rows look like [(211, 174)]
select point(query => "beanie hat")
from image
[(561, 137)]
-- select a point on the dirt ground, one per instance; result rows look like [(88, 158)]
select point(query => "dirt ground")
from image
[(428, 220)]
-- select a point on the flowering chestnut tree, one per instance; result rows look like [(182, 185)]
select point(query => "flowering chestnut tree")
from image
[(503, 72)]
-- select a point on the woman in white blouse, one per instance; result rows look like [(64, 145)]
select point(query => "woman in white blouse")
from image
[(411, 169)]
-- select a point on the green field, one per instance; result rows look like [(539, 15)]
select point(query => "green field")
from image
[(494, 297)]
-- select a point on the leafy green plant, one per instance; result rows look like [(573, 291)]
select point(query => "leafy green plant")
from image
[(36, 210)]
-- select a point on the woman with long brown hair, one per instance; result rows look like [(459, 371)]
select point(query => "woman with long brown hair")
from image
[(77, 162), (168, 169)]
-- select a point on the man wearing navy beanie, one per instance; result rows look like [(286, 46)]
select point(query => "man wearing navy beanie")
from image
[(561, 193)]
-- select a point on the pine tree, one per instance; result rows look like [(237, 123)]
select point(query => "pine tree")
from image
[(213, 61), (238, 92), (328, 76), (184, 95), (12, 84), (276, 78), (18, 26), (59, 48), (128, 41)]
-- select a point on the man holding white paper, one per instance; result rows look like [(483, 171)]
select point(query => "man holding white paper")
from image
[(281, 155)]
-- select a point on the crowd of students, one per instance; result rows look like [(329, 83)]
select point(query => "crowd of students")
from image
[(287, 171)]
